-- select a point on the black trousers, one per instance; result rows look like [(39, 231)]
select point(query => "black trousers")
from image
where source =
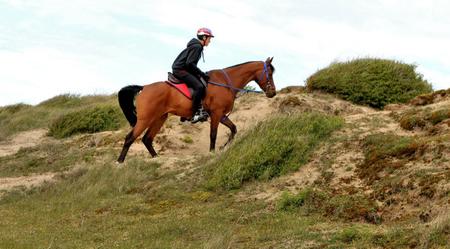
[(196, 85)]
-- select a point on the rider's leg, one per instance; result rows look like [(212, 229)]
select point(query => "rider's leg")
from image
[(198, 94)]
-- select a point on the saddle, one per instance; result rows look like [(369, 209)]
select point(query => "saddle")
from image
[(181, 86), (173, 79)]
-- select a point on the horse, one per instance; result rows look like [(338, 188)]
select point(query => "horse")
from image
[(147, 107)]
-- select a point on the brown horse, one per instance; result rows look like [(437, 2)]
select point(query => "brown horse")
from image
[(155, 101)]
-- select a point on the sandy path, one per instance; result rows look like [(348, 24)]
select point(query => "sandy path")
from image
[(10, 147), (21, 140), (8, 183)]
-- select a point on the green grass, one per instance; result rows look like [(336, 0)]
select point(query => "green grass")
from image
[(368, 81), (64, 100), (17, 118), (272, 148), (88, 120), (74, 214), (348, 235), (48, 157), (412, 119), (11, 109), (380, 149), (426, 99), (96, 204), (386, 167), (334, 206), (22, 117), (187, 139), (137, 206), (422, 118), (143, 205), (75, 101), (439, 234), (381, 146)]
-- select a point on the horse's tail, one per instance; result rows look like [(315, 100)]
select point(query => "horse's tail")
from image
[(126, 102)]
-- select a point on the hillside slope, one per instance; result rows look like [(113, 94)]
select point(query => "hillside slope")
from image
[(386, 175)]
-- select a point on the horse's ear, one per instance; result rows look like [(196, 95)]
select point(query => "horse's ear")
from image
[(271, 59)]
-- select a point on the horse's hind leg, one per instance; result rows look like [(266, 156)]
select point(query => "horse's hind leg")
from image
[(151, 133), (129, 139)]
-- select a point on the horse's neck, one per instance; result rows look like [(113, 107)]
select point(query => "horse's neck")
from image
[(241, 76)]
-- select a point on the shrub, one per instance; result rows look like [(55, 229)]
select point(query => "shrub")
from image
[(89, 120), (379, 149), (293, 89), (368, 81), (77, 101), (345, 207), (380, 146), (11, 109), (290, 202), (23, 117), (423, 118), (411, 120), (426, 99), (272, 148), (251, 88), (64, 100), (19, 117), (439, 116)]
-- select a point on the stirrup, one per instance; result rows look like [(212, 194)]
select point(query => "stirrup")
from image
[(199, 116)]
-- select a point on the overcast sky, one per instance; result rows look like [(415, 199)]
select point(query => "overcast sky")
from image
[(52, 47)]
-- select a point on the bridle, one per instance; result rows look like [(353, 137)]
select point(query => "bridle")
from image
[(229, 83), (265, 72)]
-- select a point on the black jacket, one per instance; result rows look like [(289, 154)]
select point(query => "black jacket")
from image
[(188, 58)]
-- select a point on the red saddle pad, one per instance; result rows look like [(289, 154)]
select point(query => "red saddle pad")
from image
[(182, 87)]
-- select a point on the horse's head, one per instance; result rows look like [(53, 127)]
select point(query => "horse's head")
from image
[(265, 80)]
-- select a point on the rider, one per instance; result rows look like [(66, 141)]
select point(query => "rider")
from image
[(185, 68)]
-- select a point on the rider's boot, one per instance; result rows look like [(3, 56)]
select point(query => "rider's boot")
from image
[(200, 115)]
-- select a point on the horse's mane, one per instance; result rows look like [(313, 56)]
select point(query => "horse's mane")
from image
[(240, 64)]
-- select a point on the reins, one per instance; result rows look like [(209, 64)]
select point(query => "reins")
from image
[(264, 73), (234, 88)]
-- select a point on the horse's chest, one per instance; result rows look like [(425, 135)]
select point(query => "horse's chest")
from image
[(223, 102)]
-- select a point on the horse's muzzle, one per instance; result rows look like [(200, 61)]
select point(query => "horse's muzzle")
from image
[(271, 94)]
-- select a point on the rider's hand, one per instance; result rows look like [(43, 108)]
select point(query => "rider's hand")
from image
[(205, 77)]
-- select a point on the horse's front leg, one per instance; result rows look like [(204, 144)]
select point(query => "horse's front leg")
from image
[(227, 122), (215, 119)]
